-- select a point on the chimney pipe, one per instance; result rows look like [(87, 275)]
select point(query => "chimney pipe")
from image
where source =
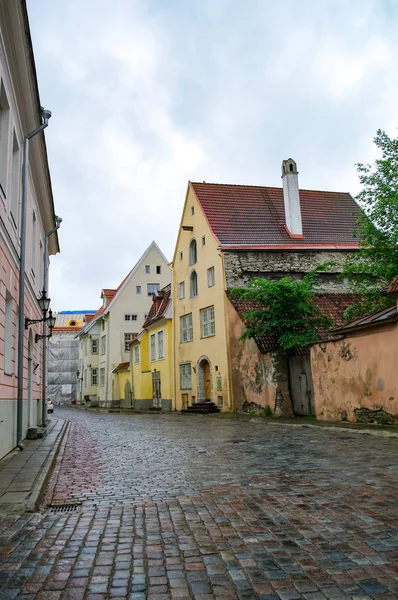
[(291, 197)]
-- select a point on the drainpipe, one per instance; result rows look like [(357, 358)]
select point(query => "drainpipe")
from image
[(58, 222), (45, 115)]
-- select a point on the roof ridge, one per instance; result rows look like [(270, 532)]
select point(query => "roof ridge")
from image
[(269, 187)]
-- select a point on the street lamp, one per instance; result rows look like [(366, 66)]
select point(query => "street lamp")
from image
[(51, 324), (44, 304)]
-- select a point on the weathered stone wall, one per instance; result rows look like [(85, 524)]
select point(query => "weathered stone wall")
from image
[(357, 376), (257, 379), (241, 267)]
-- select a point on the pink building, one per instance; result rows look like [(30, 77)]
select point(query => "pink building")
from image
[(20, 114)]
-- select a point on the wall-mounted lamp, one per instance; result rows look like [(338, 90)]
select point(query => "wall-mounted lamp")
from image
[(44, 304)]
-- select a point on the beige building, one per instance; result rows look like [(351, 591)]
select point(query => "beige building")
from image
[(228, 235), (105, 340)]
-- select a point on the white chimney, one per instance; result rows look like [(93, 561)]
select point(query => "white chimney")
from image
[(291, 197)]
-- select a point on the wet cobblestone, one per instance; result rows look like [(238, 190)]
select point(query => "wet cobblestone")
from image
[(201, 507)]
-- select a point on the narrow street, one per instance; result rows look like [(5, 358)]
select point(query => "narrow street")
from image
[(164, 507)]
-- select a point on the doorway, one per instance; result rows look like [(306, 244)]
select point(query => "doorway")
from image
[(301, 387), (30, 378), (204, 380), (156, 390)]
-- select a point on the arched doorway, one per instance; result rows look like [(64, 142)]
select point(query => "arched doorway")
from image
[(127, 395), (30, 377), (204, 380)]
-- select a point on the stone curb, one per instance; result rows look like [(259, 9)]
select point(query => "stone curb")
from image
[(376, 432), (32, 503)]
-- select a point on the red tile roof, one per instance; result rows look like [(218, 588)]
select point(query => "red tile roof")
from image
[(89, 318), (381, 317), (393, 287), (249, 216), (330, 305), (160, 302)]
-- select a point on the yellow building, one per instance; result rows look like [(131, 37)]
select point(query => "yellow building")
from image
[(228, 235), (151, 357)]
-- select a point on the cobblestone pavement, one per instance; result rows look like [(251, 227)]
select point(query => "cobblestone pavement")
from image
[(200, 507)]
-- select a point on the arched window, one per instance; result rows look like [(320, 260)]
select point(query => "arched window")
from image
[(193, 257), (193, 284)]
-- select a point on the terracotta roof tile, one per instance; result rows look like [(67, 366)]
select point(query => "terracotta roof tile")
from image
[(254, 215), (160, 302), (393, 287), (121, 367), (330, 305)]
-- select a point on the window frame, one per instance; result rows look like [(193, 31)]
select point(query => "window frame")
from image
[(186, 328), (193, 252), (181, 286), (127, 340), (102, 377), (152, 347), (152, 284), (211, 281), (103, 345), (193, 284), (185, 376), (160, 356), (94, 341), (138, 289), (94, 374), (207, 322), (147, 269), (136, 353)]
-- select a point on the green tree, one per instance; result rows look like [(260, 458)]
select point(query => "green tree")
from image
[(284, 309), (373, 267)]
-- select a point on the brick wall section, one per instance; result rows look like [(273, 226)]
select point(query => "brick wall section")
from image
[(241, 267)]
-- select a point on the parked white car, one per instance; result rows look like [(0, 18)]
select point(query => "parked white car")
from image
[(50, 406)]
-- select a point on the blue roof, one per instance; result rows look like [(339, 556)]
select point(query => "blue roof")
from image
[(77, 312)]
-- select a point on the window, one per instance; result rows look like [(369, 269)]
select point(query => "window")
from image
[(85, 377), (130, 317), (158, 270), (94, 346), (4, 125), (138, 289), (15, 178), (147, 269), (127, 317), (210, 277), (192, 210), (102, 376), (185, 376), (160, 345), (207, 322), (103, 344), (94, 376), (127, 339), (8, 334), (153, 347), (136, 355), (181, 255), (193, 285), (203, 240), (186, 328), (33, 250), (181, 290), (152, 288), (133, 317), (102, 325), (193, 257), (85, 347)]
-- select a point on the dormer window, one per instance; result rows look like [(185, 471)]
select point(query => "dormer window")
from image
[(193, 285), (193, 257)]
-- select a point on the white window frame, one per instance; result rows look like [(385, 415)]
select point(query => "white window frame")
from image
[(127, 317), (154, 292), (103, 344), (94, 345), (147, 269), (181, 290), (161, 344), (152, 347), (193, 285), (94, 376), (9, 325), (15, 181), (127, 339), (136, 355), (185, 376), (4, 137), (186, 328), (207, 322), (211, 280), (193, 252)]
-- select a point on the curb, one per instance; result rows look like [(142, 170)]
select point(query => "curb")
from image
[(34, 498), (376, 432)]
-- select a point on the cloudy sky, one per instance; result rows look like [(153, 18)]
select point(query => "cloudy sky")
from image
[(147, 94)]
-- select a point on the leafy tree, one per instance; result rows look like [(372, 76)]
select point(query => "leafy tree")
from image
[(284, 309), (373, 267)]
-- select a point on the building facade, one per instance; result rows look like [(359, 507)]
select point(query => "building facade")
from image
[(228, 235), (120, 318), (20, 113), (152, 357)]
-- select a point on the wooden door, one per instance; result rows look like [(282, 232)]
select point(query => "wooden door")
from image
[(301, 387), (156, 390), (206, 375)]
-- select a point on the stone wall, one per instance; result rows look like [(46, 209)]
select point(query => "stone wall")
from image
[(241, 267)]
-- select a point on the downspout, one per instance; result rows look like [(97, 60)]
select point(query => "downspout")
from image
[(58, 222), (45, 114)]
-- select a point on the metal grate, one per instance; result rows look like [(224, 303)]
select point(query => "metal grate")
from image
[(64, 508)]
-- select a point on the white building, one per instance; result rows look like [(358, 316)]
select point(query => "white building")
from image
[(20, 114), (105, 339)]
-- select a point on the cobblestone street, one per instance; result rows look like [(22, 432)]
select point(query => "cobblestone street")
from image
[(169, 506)]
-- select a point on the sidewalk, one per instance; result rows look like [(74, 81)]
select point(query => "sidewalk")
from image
[(24, 474)]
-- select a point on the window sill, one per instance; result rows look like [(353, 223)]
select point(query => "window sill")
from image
[(204, 337)]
